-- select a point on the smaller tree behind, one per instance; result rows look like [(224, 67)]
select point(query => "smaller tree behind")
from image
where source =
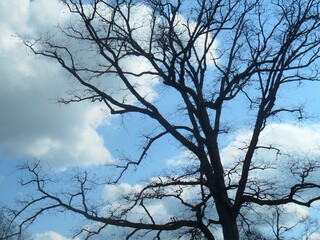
[(8, 229)]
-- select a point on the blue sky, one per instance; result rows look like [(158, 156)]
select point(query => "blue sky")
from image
[(34, 126)]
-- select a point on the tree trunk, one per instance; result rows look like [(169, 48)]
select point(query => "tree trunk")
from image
[(229, 227), (230, 232)]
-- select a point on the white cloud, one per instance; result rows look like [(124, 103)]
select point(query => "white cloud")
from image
[(265, 218), (114, 194), (50, 236), (176, 161), (162, 210), (298, 145), (180, 160), (34, 125), (37, 127), (282, 145), (314, 236), (287, 137)]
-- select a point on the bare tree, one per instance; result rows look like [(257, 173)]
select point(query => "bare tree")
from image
[(311, 228), (279, 222), (212, 54), (8, 229)]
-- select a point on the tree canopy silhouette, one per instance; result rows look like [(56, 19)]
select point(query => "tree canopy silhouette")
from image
[(212, 55)]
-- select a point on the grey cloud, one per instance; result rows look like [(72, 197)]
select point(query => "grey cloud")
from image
[(33, 125)]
